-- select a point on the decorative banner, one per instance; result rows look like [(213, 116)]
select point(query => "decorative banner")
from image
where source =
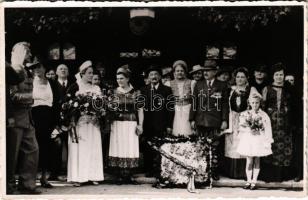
[(149, 53), (129, 55)]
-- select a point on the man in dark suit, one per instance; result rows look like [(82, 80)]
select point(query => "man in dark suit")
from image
[(209, 112), (21, 141), (60, 140), (158, 117)]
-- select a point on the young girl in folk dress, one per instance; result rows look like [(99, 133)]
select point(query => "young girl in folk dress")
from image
[(255, 138)]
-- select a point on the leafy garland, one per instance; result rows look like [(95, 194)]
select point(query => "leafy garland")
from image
[(61, 21), (240, 18), (54, 20)]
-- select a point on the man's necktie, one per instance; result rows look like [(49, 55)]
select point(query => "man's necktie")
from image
[(209, 84)]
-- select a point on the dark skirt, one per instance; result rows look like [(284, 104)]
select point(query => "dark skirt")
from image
[(234, 168), (273, 173), (298, 161), (43, 124)]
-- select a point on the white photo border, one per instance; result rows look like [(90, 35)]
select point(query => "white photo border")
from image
[(60, 4)]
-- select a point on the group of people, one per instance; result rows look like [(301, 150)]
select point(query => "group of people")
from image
[(218, 104)]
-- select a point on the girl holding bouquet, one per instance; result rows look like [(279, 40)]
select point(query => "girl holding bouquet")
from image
[(255, 138)]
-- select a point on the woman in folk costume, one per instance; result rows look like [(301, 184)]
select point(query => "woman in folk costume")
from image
[(85, 159), (255, 138), (126, 126), (280, 104), (234, 163), (181, 88)]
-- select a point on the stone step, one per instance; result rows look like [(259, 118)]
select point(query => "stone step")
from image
[(223, 182)]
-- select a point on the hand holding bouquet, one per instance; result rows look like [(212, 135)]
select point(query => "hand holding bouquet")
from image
[(82, 104), (254, 122)]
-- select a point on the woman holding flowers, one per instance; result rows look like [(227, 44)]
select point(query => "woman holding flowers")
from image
[(256, 138), (85, 159), (126, 126)]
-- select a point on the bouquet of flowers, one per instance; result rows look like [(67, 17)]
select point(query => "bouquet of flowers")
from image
[(254, 123), (81, 104)]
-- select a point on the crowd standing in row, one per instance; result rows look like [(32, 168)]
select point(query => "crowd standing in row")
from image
[(37, 137)]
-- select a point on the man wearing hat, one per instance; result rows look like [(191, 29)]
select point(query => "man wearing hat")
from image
[(209, 112), (21, 139), (259, 78), (197, 74), (158, 117)]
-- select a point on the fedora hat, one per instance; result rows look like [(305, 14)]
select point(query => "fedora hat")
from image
[(153, 68), (210, 65), (196, 68)]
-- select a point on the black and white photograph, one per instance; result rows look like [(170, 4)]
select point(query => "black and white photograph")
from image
[(153, 100)]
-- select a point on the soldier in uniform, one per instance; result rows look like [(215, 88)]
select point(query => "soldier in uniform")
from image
[(209, 112), (21, 141)]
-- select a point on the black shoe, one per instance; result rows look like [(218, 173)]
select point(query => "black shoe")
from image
[(46, 184), (215, 177), (204, 185), (30, 191), (76, 184), (253, 187), (132, 182), (159, 185), (247, 186)]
